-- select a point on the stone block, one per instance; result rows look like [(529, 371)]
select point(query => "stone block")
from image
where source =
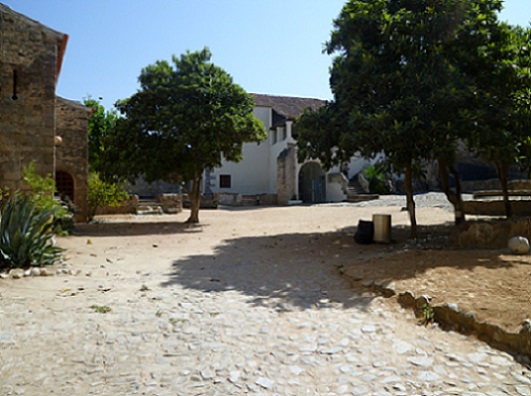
[(518, 245)]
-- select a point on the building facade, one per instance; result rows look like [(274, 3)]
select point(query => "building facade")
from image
[(271, 168), (32, 118)]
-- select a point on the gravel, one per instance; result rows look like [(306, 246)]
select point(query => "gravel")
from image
[(426, 200)]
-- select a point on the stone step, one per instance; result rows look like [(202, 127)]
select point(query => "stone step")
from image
[(362, 197), (148, 207)]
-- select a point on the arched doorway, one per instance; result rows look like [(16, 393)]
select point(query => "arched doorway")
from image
[(64, 183), (312, 183)]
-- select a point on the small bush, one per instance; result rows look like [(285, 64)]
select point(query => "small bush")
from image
[(42, 193), (377, 180), (26, 234), (103, 193)]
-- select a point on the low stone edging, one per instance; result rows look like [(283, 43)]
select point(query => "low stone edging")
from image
[(450, 317), (19, 273)]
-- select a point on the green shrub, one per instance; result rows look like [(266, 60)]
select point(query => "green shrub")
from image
[(26, 234), (377, 180), (42, 194), (103, 193)]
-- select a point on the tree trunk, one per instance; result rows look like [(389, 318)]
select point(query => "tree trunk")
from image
[(455, 198), (502, 177), (408, 184), (195, 200)]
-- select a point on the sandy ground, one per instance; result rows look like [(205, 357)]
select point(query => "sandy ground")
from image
[(252, 290), (494, 284)]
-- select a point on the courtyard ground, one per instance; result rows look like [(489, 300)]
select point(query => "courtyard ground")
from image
[(251, 301), (492, 283)]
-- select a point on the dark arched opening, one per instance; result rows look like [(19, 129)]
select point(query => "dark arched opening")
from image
[(64, 183), (312, 183)]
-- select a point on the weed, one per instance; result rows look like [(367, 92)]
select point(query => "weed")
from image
[(427, 314), (101, 308), (158, 314), (175, 321), (144, 288)]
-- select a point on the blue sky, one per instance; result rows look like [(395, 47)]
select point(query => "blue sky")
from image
[(268, 46)]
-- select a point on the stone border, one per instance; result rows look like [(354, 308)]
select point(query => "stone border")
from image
[(17, 273), (450, 317)]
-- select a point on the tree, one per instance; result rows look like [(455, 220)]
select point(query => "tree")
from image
[(398, 85), (184, 118), (502, 133), (100, 125)]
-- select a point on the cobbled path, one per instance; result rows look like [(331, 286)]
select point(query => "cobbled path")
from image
[(215, 327)]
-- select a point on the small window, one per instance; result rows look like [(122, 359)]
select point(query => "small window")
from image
[(224, 181)]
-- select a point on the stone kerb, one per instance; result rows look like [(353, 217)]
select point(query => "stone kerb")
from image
[(452, 317)]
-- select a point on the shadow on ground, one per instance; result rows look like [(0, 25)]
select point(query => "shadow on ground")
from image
[(283, 271), (408, 258), (130, 228)]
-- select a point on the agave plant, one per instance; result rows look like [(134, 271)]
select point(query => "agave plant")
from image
[(26, 237)]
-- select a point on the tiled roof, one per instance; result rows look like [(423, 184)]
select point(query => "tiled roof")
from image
[(287, 106)]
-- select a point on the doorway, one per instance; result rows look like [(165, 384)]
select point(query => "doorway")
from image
[(312, 183)]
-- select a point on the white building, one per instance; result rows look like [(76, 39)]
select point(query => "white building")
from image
[(270, 170)]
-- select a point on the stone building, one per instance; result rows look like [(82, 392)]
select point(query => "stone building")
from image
[(71, 153), (36, 125), (270, 171)]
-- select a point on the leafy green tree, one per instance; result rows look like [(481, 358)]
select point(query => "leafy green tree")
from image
[(502, 132), (100, 126), (185, 118), (399, 88)]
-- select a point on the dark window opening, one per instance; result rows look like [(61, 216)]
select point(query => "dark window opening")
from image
[(224, 181), (15, 78), (64, 184)]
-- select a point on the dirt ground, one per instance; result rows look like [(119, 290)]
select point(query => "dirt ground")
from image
[(494, 284)]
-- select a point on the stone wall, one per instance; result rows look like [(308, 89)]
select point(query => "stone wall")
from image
[(489, 234), (287, 175), (151, 190), (126, 207), (29, 64), (171, 203), (234, 199), (72, 151)]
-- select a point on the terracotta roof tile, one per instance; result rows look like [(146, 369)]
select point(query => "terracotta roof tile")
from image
[(287, 106)]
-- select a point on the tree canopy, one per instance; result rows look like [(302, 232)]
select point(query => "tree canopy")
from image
[(100, 125), (405, 81), (186, 117)]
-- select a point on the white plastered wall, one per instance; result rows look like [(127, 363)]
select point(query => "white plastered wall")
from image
[(251, 174)]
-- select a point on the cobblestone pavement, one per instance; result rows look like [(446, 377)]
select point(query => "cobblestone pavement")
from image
[(210, 326)]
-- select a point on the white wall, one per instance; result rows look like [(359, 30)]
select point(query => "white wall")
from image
[(336, 187), (257, 172), (251, 174)]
